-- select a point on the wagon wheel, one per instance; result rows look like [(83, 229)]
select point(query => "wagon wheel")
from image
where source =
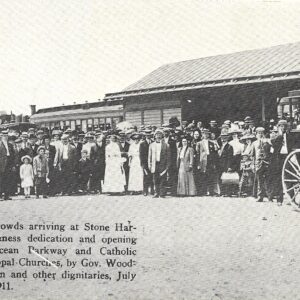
[(291, 177)]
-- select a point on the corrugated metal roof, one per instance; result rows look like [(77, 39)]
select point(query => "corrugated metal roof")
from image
[(283, 59)]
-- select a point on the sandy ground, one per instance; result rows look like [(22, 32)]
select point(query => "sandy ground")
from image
[(188, 248)]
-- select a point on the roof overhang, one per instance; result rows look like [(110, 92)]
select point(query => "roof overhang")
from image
[(203, 85)]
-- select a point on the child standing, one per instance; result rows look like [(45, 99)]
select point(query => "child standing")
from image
[(84, 171), (26, 175)]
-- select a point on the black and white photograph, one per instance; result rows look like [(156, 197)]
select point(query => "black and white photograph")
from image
[(150, 149)]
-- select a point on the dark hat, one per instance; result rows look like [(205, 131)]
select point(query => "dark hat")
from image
[(46, 136), (31, 136)]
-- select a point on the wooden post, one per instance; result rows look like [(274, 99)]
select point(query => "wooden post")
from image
[(291, 112), (263, 116)]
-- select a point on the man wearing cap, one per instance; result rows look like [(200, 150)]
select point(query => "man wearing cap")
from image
[(144, 151), (261, 154), (7, 158), (89, 144), (159, 160), (40, 136), (281, 144), (172, 171)]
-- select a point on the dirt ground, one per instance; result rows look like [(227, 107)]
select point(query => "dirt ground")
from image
[(188, 248)]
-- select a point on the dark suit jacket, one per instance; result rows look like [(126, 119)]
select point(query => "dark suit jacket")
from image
[(225, 158), (84, 167), (32, 150), (173, 153), (97, 157), (277, 143), (144, 151), (3, 157), (52, 152)]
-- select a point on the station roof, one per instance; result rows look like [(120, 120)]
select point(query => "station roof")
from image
[(268, 64)]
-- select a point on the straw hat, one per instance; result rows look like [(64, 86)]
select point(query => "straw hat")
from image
[(28, 157)]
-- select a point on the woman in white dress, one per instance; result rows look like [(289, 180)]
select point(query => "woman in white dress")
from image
[(114, 180), (135, 183)]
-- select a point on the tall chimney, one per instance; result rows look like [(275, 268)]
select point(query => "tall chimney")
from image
[(33, 109)]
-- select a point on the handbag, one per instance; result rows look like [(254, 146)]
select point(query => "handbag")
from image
[(230, 178)]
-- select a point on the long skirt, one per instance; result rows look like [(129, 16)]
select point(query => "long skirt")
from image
[(136, 176), (114, 180), (186, 183)]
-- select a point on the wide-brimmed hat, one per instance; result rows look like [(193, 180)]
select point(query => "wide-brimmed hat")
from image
[(235, 131), (26, 156), (5, 131), (259, 129), (213, 122), (40, 131), (135, 136), (205, 130), (64, 137), (247, 136), (158, 131), (40, 148), (282, 122)]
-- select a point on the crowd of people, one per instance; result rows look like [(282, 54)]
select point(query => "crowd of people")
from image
[(234, 158)]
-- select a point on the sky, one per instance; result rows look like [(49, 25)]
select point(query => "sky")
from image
[(55, 52)]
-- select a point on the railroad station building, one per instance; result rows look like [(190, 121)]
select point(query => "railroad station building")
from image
[(230, 86)]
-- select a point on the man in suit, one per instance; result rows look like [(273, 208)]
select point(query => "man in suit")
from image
[(282, 145), (32, 146), (41, 172), (144, 151), (97, 156), (39, 137), (124, 148), (7, 159), (225, 161), (67, 161), (172, 171), (159, 159), (261, 154), (207, 157)]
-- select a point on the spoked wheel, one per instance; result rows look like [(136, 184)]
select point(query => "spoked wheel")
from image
[(291, 177)]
